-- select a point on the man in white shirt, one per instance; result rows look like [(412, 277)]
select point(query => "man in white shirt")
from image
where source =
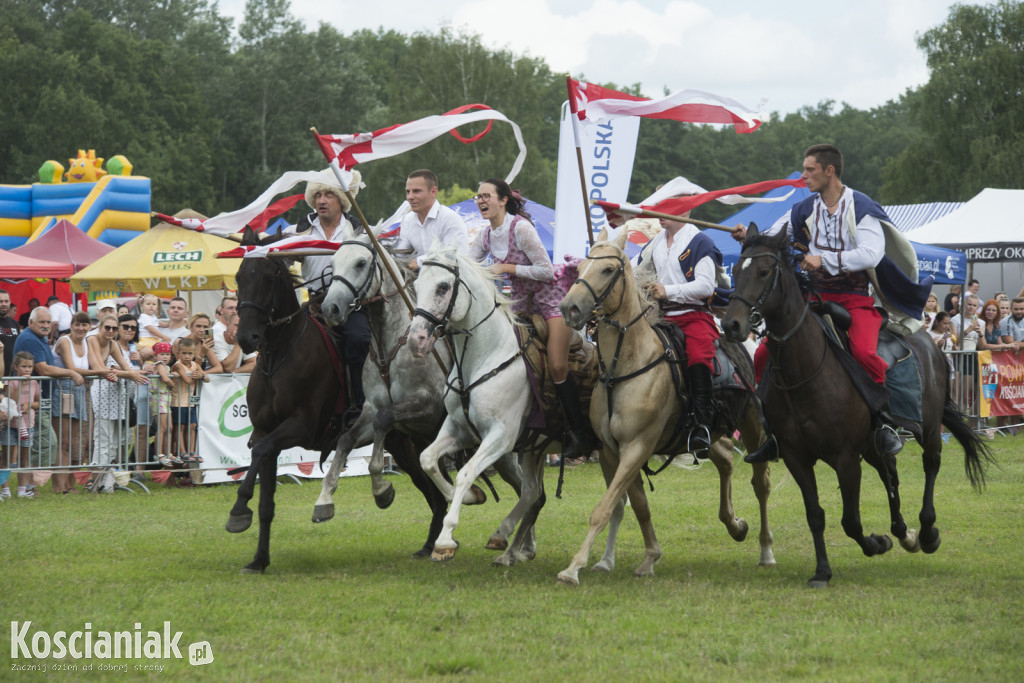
[(428, 220), (228, 307), (229, 353), (61, 314)]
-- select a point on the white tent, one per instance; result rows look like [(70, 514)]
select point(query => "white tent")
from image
[(988, 228)]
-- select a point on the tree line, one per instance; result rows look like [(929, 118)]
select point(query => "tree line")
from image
[(214, 113)]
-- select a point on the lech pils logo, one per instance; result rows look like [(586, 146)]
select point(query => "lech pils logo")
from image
[(179, 255)]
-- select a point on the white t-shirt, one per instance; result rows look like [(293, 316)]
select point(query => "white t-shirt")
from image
[(146, 320)]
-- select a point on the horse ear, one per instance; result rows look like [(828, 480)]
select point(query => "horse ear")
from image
[(602, 236), (249, 236), (752, 233), (620, 239)]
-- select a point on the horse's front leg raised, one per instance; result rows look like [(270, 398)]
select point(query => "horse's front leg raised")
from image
[(886, 468), (721, 456), (848, 469), (359, 433)]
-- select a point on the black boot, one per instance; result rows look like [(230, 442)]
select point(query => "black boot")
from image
[(766, 452), (701, 392), (883, 432), (569, 397), (355, 396)]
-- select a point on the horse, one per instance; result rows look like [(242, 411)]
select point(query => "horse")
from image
[(637, 412), (404, 394), (489, 393), (293, 390), (816, 412)]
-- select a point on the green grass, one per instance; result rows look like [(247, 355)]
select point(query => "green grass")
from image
[(344, 600)]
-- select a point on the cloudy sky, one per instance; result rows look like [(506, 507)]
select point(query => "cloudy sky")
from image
[(784, 53)]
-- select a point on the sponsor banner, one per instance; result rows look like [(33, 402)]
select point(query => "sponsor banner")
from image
[(990, 252), (224, 430), (1002, 383)]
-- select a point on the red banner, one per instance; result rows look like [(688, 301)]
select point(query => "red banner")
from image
[(1002, 383)]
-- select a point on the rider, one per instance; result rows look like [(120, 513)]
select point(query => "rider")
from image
[(331, 222), (428, 219), (840, 232), (516, 248), (685, 263)]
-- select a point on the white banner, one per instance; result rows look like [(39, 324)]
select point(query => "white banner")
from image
[(224, 430), (608, 151)]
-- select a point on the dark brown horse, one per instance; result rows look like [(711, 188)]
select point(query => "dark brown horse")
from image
[(293, 394), (817, 414)]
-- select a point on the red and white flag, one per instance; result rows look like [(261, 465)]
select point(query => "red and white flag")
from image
[(189, 223), (345, 151), (593, 103), (285, 245)]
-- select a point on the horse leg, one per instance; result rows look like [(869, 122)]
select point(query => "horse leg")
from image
[(447, 441), (407, 456), (496, 443), (323, 509), (268, 487), (524, 545), (721, 456), (848, 469), (805, 479), (511, 472), (752, 433), (887, 472), (931, 459), (652, 550), (240, 517), (607, 561)]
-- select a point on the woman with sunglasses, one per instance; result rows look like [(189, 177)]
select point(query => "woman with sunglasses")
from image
[(109, 398), (128, 340), (517, 251)]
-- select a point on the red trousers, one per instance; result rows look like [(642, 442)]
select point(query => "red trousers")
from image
[(865, 322), (700, 333)]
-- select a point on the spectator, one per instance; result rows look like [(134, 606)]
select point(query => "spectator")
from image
[(150, 323), (227, 350), (103, 307), (931, 307), (33, 340), (993, 337), (185, 399), (1013, 325), (968, 329), (109, 400), (9, 414), (1004, 311), (952, 301), (9, 329), (228, 307), (161, 367), (122, 309), (69, 406), (177, 325), (60, 314), (201, 334), (128, 340), (33, 304), (25, 393)]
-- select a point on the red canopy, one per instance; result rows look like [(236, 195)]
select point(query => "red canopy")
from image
[(64, 243), (16, 266)]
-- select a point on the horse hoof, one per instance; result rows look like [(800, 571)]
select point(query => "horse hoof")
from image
[(443, 554), (818, 583), (503, 560), (886, 542), (603, 566), (478, 496), (496, 542), (567, 578), (910, 542), (741, 534), (384, 500), (931, 545), (238, 523), (251, 569), (422, 552), (323, 513)]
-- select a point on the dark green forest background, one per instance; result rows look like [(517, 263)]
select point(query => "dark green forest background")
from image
[(214, 112)]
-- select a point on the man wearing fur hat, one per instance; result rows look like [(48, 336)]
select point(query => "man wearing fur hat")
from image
[(428, 220), (331, 222)]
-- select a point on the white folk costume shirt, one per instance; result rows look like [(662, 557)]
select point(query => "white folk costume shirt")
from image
[(665, 262), (528, 242), (830, 236), (441, 223), (313, 267)]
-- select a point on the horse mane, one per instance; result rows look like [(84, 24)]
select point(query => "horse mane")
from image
[(450, 256)]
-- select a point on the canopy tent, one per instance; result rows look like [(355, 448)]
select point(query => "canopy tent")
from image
[(987, 228), (163, 258), (17, 266), (65, 243)]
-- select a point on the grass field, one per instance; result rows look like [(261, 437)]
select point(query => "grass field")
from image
[(344, 600)]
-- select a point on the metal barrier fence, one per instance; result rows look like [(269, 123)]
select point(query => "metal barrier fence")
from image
[(102, 427), (964, 370)]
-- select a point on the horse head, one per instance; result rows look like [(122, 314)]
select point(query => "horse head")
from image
[(758, 282), (357, 276), (438, 301), (265, 293), (602, 282)]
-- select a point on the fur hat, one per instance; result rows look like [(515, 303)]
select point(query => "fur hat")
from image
[(326, 180)]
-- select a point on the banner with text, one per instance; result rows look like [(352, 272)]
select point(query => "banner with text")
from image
[(224, 430), (1002, 383)]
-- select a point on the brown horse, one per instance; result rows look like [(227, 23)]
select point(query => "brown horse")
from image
[(635, 409), (292, 394), (817, 414)]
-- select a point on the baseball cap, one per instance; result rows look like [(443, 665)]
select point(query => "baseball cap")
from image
[(105, 303)]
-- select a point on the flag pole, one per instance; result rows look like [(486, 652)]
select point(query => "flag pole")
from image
[(376, 246), (573, 111), (647, 213)]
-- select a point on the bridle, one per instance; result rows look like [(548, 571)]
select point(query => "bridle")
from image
[(439, 324), (268, 311), (599, 299), (756, 316), (359, 293)]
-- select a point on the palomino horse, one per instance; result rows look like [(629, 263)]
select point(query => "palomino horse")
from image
[(817, 413), (292, 391), (489, 393), (403, 393)]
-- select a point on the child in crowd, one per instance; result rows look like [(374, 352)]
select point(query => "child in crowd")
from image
[(149, 323), (9, 439), (161, 367), (184, 412), (25, 393)]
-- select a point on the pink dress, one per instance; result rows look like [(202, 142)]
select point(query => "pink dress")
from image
[(516, 242)]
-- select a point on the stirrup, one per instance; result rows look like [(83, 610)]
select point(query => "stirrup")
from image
[(887, 440), (766, 452), (698, 442)]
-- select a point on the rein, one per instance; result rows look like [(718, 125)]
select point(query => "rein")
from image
[(756, 317), (268, 367), (358, 293)]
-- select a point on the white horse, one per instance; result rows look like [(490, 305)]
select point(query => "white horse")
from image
[(404, 394)]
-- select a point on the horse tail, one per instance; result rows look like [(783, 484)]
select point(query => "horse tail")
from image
[(976, 452)]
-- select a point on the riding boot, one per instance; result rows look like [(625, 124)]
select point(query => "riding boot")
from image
[(569, 397), (355, 396), (883, 432), (701, 393), (766, 452)]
